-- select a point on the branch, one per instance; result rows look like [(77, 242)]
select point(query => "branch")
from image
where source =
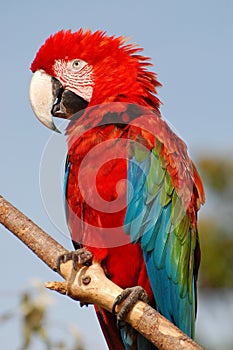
[(90, 285)]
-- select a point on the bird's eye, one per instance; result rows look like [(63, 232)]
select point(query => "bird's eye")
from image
[(76, 64)]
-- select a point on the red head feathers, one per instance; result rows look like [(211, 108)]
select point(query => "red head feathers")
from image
[(119, 72)]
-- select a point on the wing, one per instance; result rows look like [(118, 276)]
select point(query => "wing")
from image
[(164, 194)]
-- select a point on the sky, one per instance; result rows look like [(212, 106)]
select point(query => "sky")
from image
[(190, 45)]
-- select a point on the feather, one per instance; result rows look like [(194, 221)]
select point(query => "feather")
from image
[(167, 234), (157, 217)]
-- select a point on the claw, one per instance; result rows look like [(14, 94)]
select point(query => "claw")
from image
[(130, 296), (79, 257)]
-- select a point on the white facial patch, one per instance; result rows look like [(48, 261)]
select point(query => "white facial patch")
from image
[(76, 76)]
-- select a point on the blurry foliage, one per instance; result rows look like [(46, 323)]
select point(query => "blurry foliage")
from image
[(217, 174), (217, 256), (216, 228), (33, 313)]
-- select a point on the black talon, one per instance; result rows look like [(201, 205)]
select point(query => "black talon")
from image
[(79, 257), (130, 296)]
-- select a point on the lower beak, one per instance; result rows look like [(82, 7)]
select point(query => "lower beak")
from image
[(67, 104), (48, 98)]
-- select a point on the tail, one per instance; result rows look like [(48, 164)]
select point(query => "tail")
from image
[(124, 339)]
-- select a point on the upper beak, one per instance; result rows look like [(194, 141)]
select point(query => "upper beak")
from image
[(42, 98), (49, 98)]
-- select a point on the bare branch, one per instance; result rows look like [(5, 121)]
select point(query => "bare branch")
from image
[(90, 285)]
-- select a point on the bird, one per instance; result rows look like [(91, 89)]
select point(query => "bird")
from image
[(132, 193)]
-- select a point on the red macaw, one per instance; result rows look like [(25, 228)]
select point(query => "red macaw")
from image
[(132, 192)]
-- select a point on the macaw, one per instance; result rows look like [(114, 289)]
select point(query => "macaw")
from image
[(132, 192)]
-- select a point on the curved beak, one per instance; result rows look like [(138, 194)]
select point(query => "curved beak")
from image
[(49, 98), (42, 97)]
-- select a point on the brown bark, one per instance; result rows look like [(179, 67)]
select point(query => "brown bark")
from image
[(90, 285)]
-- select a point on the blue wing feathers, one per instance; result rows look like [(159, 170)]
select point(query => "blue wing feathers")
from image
[(156, 218), (128, 336), (65, 184), (163, 233), (151, 225), (135, 199)]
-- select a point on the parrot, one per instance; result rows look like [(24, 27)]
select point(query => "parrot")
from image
[(132, 193)]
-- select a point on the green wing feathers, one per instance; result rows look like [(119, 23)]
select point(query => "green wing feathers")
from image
[(164, 206)]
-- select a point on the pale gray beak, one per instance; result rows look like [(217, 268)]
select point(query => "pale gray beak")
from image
[(42, 98), (49, 98)]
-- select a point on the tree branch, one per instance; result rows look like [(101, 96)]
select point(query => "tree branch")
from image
[(90, 285)]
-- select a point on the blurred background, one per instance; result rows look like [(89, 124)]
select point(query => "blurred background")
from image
[(191, 47)]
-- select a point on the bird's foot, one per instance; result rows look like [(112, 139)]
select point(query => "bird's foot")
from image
[(80, 256), (130, 296)]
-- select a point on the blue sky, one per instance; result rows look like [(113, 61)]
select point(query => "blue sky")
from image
[(190, 44)]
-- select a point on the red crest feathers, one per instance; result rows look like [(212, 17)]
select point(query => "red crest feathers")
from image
[(120, 72)]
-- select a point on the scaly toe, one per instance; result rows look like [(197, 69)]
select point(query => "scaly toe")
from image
[(130, 296), (79, 257)]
